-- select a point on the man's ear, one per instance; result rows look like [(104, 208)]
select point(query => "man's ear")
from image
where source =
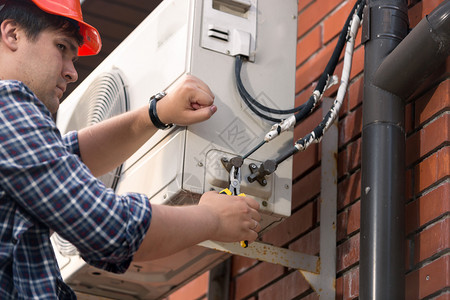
[(9, 34)]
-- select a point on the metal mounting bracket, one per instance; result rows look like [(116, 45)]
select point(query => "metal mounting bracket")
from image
[(324, 283)]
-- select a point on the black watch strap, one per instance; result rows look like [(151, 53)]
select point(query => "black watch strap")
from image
[(153, 114)]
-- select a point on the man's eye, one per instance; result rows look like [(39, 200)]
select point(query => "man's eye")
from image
[(61, 46)]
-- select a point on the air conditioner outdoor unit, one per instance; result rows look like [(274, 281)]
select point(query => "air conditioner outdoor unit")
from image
[(176, 166)]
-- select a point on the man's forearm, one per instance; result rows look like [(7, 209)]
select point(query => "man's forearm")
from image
[(173, 229), (106, 145), (217, 217)]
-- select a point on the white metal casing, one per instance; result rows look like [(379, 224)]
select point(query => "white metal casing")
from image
[(176, 166)]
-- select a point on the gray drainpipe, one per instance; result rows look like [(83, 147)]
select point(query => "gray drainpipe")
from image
[(394, 67)]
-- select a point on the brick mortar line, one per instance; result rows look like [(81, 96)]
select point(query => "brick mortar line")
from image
[(429, 260), (428, 190), (433, 151), (429, 224), (439, 114), (441, 292)]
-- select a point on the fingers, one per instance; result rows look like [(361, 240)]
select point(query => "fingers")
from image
[(255, 221), (254, 217), (202, 104), (252, 203), (198, 92), (253, 231), (200, 85), (202, 114), (201, 96), (237, 216), (253, 207), (256, 225), (188, 102), (254, 214)]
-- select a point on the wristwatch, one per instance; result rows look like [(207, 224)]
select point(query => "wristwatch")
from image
[(152, 111)]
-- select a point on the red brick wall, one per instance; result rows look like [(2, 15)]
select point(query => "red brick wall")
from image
[(428, 176)]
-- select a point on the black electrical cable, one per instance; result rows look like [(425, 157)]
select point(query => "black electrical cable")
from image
[(306, 108), (246, 100), (244, 93), (329, 69), (318, 132), (254, 149)]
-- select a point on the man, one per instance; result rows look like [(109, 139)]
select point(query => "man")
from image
[(47, 181)]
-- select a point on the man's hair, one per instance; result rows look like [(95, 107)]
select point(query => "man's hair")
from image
[(34, 20)]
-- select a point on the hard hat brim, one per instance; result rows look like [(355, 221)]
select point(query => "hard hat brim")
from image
[(92, 43)]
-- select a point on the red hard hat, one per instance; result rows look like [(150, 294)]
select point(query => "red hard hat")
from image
[(72, 9)]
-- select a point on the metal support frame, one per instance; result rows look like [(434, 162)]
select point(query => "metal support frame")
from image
[(319, 271), (324, 283)]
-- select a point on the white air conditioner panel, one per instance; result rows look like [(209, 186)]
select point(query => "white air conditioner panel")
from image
[(160, 171)]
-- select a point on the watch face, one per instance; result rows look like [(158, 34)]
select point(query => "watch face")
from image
[(160, 95)]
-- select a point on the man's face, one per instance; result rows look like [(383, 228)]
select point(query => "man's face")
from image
[(47, 65)]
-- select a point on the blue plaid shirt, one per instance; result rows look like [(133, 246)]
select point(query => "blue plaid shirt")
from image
[(44, 185)]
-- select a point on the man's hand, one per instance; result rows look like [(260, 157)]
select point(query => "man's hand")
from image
[(217, 217), (237, 217), (190, 101)]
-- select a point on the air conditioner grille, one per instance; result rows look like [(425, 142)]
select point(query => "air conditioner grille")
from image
[(105, 97)]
